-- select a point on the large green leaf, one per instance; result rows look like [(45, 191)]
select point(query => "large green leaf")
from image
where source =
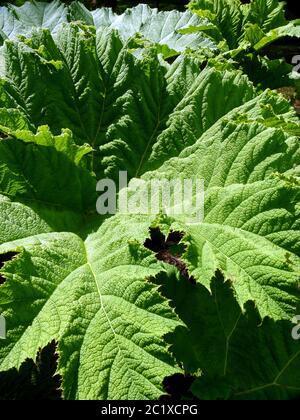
[(15, 20), (91, 297), (267, 14), (65, 193), (108, 98), (250, 226), (227, 15), (259, 23), (239, 356), (127, 317), (247, 32), (159, 27), (91, 284), (292, 29)]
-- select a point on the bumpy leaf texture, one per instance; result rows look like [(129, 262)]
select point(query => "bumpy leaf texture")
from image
[(256, 23), (260, 22), (117, 307), (107, 97), (155, 26), (242, 357)]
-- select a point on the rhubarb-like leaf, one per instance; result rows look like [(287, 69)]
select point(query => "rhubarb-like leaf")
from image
[(251, 215), (109, 98), (103, 286), (15, 20), (292, 30), (260, 22), (227, 15), (233, 354), (93, 298), (48, 174), (159, 27)]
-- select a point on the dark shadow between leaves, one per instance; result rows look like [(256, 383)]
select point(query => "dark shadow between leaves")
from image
[(169, 250), (231, 351), (34, 380), (8, 256)]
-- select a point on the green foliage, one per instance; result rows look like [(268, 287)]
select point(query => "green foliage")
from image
[(223, 28), (255, 24), (247, 31), (128, 300)]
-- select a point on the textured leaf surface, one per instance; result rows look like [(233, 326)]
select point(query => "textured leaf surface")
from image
[(15, 20), (65, 192), (95, 296), (92, 284), (247, 214), (227, 16), (240, 357), (260, 20), (266, 14), (290, 30), (109, 98), (159, 27)]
